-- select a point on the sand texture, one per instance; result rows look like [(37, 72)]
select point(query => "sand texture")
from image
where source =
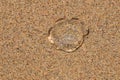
[(26, 53)]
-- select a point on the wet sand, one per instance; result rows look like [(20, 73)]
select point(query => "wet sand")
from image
[(27, 54)]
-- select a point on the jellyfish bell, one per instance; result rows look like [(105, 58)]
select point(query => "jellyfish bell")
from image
[(67, 35)]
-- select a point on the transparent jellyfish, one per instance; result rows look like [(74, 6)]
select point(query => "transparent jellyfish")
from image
[(67, 35)]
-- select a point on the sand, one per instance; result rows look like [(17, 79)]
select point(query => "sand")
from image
[(27, 54)]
